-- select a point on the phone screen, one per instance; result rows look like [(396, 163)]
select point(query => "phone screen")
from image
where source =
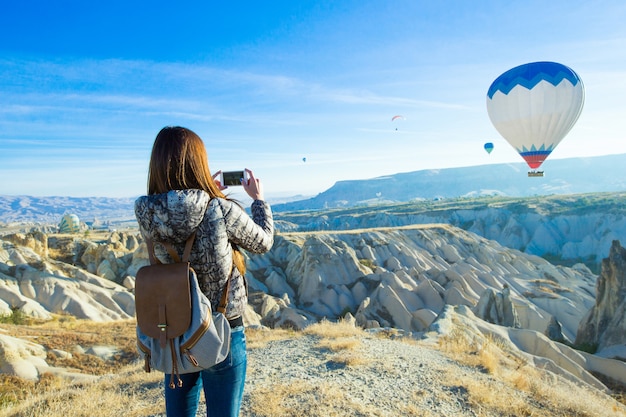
[(232, 178)]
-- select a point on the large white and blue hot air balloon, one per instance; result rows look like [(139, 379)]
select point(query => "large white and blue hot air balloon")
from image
[(70, 223), (533, 106)]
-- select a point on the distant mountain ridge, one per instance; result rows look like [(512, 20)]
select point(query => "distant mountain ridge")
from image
[(562, 176), (24, 208)]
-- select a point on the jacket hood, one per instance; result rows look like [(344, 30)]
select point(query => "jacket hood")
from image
[(172, 216)]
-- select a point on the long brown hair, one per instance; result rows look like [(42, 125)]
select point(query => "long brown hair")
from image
[(179, 161)]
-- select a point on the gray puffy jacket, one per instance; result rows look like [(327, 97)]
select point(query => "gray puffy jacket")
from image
[(173, 216)]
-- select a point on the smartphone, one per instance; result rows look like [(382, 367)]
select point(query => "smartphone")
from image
[(230, 178)]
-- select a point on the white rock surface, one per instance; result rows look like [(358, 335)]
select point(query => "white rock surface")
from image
[(535, 347), (27, 360), (406, 277), (420, 268), (21, 357), (40, 287), (604, 325)]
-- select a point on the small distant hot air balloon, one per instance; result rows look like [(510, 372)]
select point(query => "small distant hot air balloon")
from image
[(70, 223), (533, 106), (488, 147), (304, 159)]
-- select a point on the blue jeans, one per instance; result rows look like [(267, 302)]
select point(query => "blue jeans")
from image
[(223, 384)]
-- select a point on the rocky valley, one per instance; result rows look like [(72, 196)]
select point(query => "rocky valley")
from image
[(461, 266)]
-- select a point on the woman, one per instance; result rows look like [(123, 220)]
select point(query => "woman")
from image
[(184, 198)]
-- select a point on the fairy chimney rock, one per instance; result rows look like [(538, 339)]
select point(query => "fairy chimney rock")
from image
[(497, 307), (605, 324)]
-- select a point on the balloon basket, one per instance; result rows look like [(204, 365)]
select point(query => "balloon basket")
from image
[(535, 173)]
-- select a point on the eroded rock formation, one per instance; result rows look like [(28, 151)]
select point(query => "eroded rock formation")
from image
[(404, 277), (40, 285), (407, 277), (497, 307), (604, 326)]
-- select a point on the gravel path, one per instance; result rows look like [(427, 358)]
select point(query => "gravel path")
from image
[(373, 375), (389, 378)]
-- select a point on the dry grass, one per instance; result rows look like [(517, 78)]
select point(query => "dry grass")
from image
[(130, 392), (58, 254), (510, 387), (518, 388), (342, 340), (306, 399), (257, 338), (334, 330), (338, 345), (479, 353), (122, 390), (415, 406), (487, 396), (66, 333)]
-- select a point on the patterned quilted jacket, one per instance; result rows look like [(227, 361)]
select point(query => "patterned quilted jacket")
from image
[(218, 223)]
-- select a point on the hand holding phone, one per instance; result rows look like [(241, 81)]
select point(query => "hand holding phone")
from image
[(252, 186), (232, 178)]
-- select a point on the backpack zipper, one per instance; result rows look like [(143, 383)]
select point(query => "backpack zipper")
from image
[(186, 347)]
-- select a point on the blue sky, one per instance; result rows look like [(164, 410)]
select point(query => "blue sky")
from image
[(86, 86)]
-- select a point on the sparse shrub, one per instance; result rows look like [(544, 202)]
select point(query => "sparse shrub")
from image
[(329, 329), (522, 381), (16, 316), (259, 337), (336, 345), (488, 358), (368, 263), (12, 390), (393, 333), (485, 353)]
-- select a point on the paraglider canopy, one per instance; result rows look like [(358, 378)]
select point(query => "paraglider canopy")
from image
[(397, 117), (534, 106), (70, 223), (488, 147)]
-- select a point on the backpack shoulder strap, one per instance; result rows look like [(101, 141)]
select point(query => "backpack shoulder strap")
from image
[(171, 250), (224, 300), (188, 245), (153, 259)]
